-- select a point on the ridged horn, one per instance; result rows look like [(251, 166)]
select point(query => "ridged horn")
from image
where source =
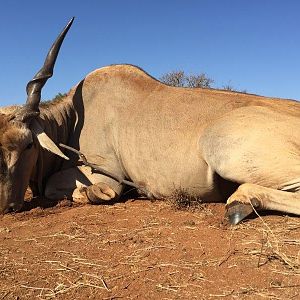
[(34, 86)]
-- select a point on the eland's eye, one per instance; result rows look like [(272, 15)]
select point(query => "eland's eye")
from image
[(29, 146)]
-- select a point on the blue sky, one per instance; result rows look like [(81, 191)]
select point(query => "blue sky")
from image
[(254, 45)]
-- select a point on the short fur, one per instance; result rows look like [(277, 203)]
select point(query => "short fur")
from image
[(202, 141)]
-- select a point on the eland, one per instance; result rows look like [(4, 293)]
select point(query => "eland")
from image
[(218, 146)]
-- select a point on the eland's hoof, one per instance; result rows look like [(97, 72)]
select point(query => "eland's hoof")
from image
[(100, 193), (236, 212)]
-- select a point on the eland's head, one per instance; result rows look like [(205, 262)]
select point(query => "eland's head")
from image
[(21, 135)]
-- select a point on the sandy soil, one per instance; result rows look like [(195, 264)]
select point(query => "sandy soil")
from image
[(146, 250)]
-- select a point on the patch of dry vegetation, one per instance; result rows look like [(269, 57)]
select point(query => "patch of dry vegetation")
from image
[(182, 200), (146, 250)]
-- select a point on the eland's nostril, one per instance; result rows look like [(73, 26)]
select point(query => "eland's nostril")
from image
[(14, 207), (7, 210)]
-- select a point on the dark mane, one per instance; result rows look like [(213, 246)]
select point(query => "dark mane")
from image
[(48, 103)]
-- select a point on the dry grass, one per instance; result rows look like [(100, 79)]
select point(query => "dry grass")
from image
[(149, 251), (181, 200), (273, 243), (277, 242)]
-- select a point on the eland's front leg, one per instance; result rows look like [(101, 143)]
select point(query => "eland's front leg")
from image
[(98, 193), (81, 186)]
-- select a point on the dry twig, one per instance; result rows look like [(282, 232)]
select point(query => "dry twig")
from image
[(96, 169)]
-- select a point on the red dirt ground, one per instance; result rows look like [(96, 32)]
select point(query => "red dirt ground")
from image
[(146, 250)]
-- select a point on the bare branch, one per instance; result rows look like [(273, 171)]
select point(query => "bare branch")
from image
[(96, 169)]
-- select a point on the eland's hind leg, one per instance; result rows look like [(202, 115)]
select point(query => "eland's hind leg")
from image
[(252, 196), (259, 149)]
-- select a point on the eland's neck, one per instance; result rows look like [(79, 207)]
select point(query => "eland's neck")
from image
[(58, 119)]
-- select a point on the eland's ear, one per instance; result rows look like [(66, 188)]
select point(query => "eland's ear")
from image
[(44, 140)]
